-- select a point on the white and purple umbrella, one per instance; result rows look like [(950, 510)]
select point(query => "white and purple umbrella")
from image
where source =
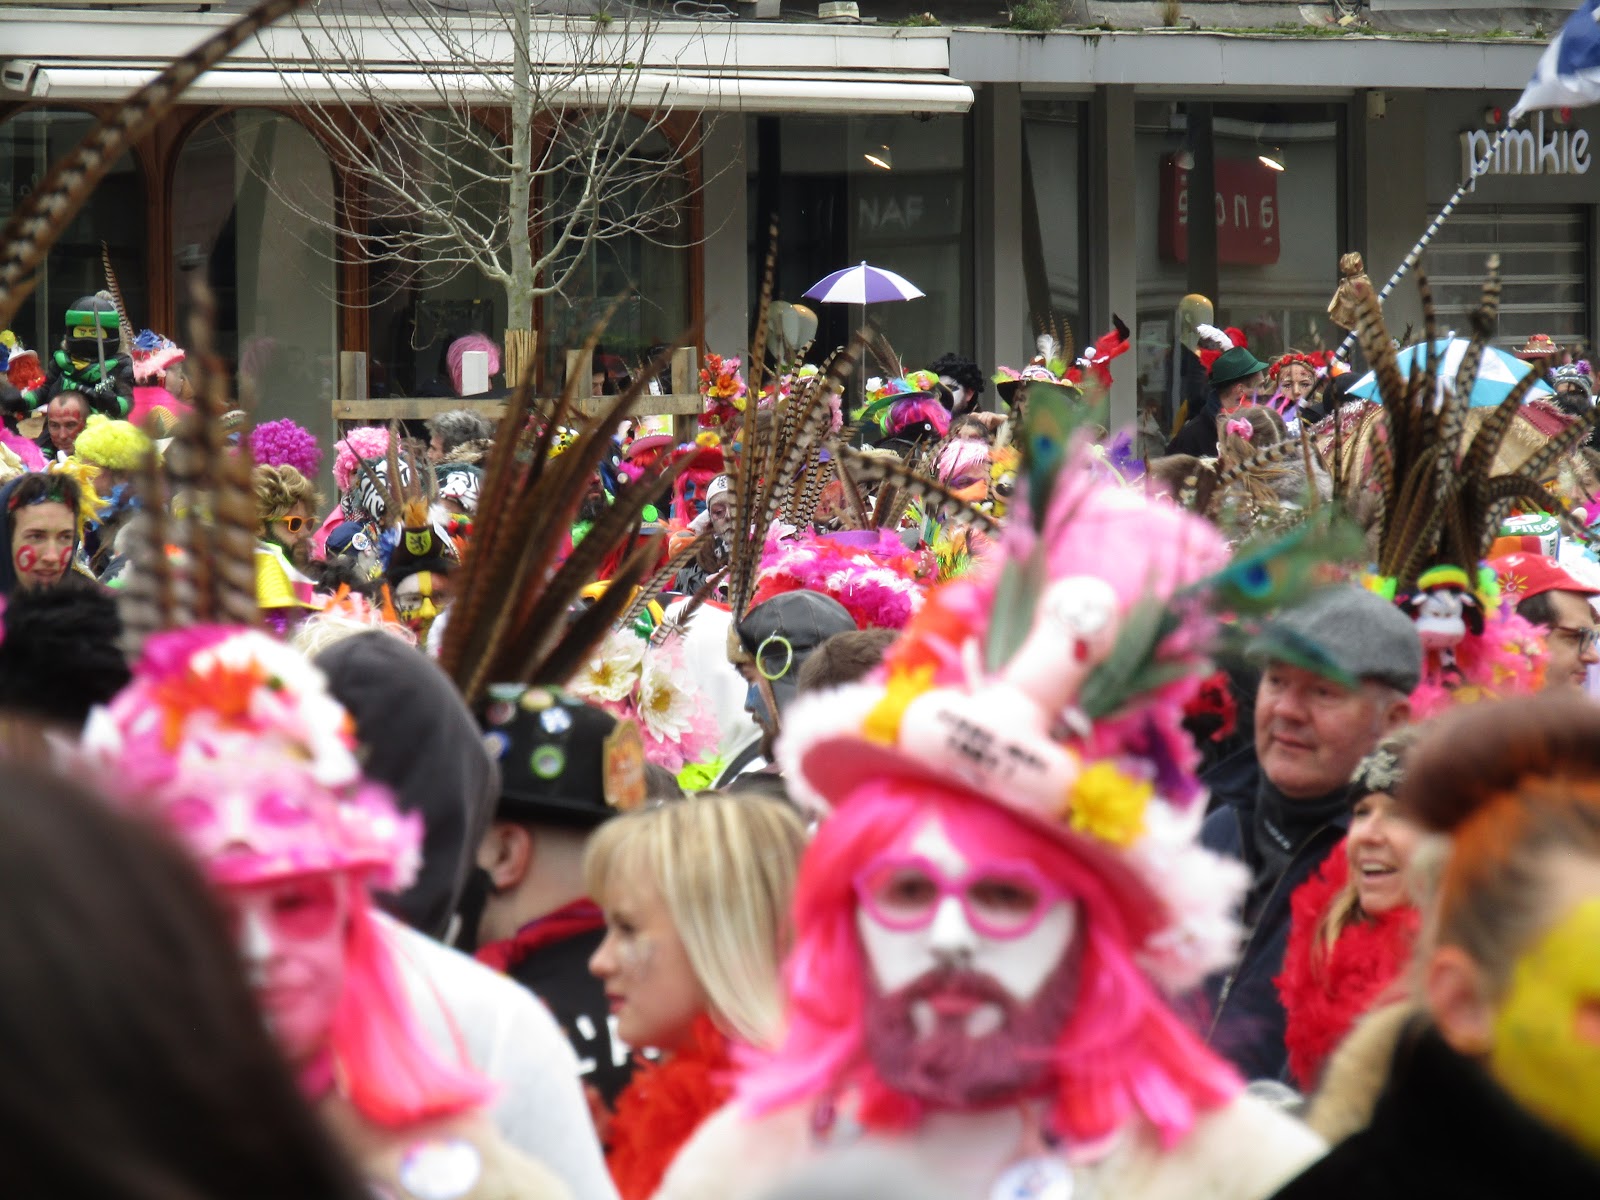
[(863, 285)]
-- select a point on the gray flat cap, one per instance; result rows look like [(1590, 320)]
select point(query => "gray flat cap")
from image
[(1348, 634)]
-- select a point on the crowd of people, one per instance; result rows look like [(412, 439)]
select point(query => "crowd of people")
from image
[(920, 791)]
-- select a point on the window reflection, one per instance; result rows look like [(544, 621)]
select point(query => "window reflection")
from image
[(30, 142)]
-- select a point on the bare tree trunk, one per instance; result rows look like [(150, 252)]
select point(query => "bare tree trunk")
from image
[(519, 287)]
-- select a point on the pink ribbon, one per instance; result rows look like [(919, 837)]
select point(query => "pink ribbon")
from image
[(1240, 428)]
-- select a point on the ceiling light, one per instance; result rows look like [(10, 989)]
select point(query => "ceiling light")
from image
[(881, 157), (1272, 161)]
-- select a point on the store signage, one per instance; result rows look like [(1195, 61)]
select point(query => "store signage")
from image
[(1539, 149), (1245, 207)]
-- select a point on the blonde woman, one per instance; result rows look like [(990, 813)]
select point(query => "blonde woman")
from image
[(696, 895), (1354, 922)]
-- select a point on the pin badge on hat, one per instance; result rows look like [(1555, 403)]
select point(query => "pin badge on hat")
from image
[(555, 720), (622, 767), (547, 762)]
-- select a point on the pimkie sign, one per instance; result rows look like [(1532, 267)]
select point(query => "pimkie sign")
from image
[(1540, 149), (1245, 209)]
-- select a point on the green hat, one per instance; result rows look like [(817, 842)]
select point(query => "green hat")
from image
[(1234, 365), (93, 310)]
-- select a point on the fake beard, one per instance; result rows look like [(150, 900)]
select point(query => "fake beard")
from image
[(956, 1039)]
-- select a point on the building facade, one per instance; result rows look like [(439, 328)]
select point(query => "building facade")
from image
[(1021, 180)]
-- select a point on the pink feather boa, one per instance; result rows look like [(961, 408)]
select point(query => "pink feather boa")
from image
[(880, 582), (1506, 659)]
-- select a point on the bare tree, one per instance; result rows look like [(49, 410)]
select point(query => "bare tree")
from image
[(480, 136)]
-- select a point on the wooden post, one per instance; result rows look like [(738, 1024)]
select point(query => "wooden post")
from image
[(522, 350), (685, 380)]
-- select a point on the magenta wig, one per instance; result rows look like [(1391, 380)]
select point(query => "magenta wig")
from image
[(389, 1068), (470, 341), (365, 442), (963, 459), (1123, 1053), (285, 444), (913, 410)]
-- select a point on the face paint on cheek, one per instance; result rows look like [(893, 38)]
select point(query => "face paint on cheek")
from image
[(1547, 1031), (635, 957), (27, 560)]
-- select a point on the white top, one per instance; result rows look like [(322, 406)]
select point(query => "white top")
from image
[(508, 1035), (1244, 1151)]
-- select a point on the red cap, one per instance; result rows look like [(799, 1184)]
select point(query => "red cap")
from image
[(1523, 576)]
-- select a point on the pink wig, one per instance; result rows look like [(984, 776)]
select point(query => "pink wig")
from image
[(470, 341), (913, 409), (364, 442), (23, 448), (390, 1070), (963, 457), (1122, 1054), (283, 443)]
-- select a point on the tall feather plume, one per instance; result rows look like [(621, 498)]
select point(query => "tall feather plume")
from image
[(49, 209), (1486, 442), (124, 325), (855, 515), (148, 601), (935, 498), (573, 649), (1485, 319), (518, 605), (1257, 459), (758, 345)]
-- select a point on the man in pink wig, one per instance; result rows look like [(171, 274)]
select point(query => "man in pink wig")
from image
[(231, 739), (1005, 887)]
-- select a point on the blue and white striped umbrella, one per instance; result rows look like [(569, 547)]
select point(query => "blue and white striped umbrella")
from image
[(863, 285), (1497, 373)]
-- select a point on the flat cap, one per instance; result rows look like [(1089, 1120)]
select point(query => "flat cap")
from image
[(1347, 634)]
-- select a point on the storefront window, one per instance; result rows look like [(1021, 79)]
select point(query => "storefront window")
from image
[(1278, 213), (1052, 221), (425, 292), (642, 254), (115, 214), (253, 209), (891, 191)]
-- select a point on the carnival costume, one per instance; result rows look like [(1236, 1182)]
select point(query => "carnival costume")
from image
[(1024, 739)]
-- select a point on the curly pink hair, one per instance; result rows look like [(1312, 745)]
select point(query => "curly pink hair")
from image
[(364, 442)]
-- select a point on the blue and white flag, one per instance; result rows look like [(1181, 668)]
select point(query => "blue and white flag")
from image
[(1568, 75)]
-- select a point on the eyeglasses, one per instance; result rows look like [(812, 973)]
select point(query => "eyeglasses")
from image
[(298, 910), (1001, 900), (1586, 638), (293, 524)]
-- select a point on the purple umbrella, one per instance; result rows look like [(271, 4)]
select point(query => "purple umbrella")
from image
[(863, 285)]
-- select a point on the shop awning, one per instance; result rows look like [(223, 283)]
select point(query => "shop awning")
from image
[(840, 93)]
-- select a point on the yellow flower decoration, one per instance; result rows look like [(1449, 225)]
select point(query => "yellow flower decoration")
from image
[(1108, 804), (883, 722), (707, 440)]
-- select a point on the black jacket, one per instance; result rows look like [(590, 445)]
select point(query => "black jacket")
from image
[(1247, 1022), (1442, 1128), (1199, 433), (558, 973)]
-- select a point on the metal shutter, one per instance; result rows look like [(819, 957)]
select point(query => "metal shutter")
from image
[(1544, 257)]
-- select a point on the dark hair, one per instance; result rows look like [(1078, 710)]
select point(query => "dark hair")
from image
[(138, 1065), (44, 487), (1539, 610), (844, 658), (963, 370), (61, 653)]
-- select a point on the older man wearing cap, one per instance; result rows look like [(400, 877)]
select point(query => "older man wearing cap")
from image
[(1546, 594), (1336, 674), (1235, 378)]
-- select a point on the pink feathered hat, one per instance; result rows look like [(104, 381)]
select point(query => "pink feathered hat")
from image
[(1022, 705), (232, 739)]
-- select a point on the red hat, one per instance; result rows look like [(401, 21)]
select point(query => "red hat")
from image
[(1523, 576)]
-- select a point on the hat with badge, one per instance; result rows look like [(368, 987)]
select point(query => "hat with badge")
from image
[(562, 761)]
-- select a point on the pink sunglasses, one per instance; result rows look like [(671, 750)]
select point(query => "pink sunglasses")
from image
[(1001, 900)]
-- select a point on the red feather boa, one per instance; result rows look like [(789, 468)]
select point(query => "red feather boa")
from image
[(1322, 1002), (662, 1105)]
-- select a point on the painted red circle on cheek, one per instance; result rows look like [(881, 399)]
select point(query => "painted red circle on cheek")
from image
[(27, 557)]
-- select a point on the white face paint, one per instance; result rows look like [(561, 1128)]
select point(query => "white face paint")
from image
[(1020, 965)]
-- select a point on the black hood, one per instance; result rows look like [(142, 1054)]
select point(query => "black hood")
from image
[(420, 739)]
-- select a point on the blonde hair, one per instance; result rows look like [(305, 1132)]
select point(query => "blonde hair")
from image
[(278, 490), (1345, 909), (725, 868)]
